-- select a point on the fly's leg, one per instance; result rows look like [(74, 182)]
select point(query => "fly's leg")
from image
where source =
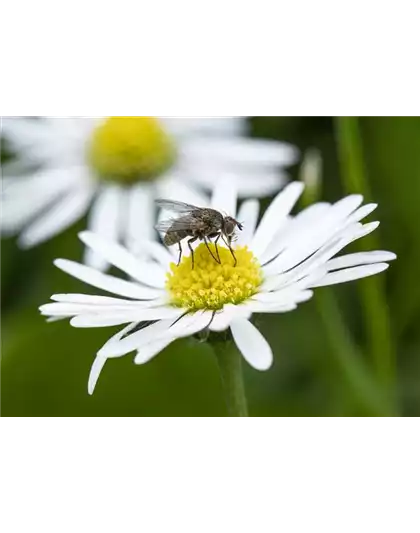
[(217, 236), (209, 249), (228, 244), (217, 248), (191, 250), (180, 253)]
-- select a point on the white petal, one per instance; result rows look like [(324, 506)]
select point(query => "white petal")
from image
[(248, 217), (107, 301), (224, 197), (193, 126), (350, 274), (348, 205), (260, 307), (100, 360), (222, 319), (239, 151), (25, 133), (97, 300), (283, 297), (146, 335), (314, 237), (275, 217), (140, 216), (286, 236), (190, 324), (123, 308), (62, 215), (113, 253), (105, 219), (55, 318), (45, 181), (25, 197), (106, 282), (148, 352), (176, 187), (252, 344), (361, 258), (301, 282), (321, 256), (262, 185), (116, 317), (152, 251), (362, 212), (95, 371), (259, 183), (115, 339)]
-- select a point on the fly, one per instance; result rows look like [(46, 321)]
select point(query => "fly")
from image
[(198, 223)]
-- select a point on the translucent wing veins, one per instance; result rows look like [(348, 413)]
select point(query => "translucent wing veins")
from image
[(176, 207)]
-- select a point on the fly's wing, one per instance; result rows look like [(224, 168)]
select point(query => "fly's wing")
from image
[(176, 207), (175, 224)]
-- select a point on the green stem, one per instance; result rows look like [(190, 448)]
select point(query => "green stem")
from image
[(230, 366), (372, 290)]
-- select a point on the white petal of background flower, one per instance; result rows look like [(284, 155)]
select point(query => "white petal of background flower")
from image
[(172, 187), (257, 183), (248, 217), (209, 149), (224, 197), (140, 215), (239, 152), (105, 219), (225, 126), (64, 213), (26, 197)]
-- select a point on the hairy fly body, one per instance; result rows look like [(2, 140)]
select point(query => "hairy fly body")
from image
[(198, 223)]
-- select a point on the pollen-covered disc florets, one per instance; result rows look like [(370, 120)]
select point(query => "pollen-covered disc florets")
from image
[(131, 149), (210, 285)]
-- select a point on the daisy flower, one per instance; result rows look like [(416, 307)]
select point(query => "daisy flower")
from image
[(116, 166), (279, 263)]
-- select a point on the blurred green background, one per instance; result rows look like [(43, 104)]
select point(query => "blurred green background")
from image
[(354, 350)]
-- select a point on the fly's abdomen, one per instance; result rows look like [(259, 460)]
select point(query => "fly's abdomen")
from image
[(174, 237)]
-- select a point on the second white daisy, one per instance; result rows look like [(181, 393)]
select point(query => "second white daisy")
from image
[(114, 167)]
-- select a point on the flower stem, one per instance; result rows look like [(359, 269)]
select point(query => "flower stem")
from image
[(230, 366), (372, 290)]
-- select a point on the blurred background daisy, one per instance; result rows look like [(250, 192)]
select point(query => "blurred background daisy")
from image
[(352, 350), (115, 167)]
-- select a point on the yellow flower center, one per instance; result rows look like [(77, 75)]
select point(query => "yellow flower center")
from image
[(130, 149), (210, 285)]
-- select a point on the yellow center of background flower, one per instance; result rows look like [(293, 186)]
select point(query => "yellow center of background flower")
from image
[(131, 149), (210, 285)]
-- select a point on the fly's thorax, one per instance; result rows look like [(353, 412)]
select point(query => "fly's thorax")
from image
[(208, 222)]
